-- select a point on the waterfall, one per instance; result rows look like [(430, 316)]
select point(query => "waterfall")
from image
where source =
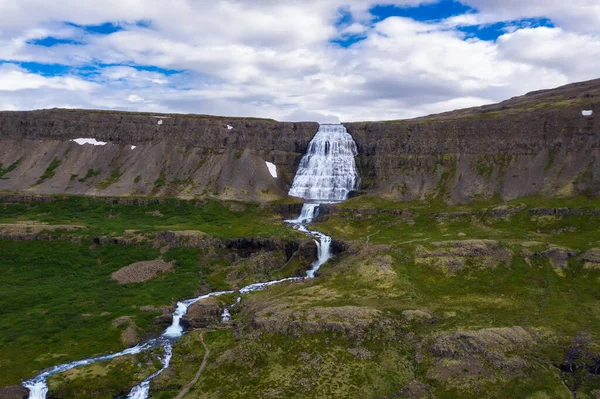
[(327, 173)]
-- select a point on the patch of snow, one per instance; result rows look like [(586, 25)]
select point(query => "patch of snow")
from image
[(587, 113), (160, 122), (272, 169), (89, 141), (133, 147), (229, 127)]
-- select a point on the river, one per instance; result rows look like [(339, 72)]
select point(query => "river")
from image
[(326, 174)]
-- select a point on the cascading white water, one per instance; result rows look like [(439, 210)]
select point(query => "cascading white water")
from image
[(327, 173), (308, 213)]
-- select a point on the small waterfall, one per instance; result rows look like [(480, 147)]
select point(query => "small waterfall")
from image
[(308, 213), (327, 172)]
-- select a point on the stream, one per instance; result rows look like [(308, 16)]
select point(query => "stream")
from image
[(326, 174)]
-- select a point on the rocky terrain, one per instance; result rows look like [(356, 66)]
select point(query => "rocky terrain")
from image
[(540, 143), (149, 155)]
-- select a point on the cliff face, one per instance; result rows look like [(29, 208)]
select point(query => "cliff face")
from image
[(174, 155), (540, 143)]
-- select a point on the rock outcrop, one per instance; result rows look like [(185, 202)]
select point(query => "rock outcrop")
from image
[(454, 256), (491, 352), (203, 313)]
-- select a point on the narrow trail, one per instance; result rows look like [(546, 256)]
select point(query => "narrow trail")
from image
[(184, 391)]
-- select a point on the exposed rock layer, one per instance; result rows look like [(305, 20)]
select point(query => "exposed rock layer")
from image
[(184, 156), (539, 143)]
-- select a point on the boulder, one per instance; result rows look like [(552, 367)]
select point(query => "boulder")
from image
[(203, 313)]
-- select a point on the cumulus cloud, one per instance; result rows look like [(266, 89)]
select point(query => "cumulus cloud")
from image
[(280, 59)]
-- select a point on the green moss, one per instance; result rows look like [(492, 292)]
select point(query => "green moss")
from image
[(551, 156), (90, 173), (50, 171), (10, 168), (115, 175), (161, 180)]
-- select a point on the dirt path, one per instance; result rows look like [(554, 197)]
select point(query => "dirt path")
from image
[(184, 391)]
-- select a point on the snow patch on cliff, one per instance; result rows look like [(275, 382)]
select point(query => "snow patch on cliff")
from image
[(89, 141), (272, 169), (587, 113)]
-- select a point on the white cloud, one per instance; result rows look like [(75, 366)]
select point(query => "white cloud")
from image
[(275, 59), (14, 78)]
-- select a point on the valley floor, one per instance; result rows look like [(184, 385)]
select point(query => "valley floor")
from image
[(482, 300)]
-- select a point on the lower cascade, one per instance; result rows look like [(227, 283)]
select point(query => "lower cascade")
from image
[(327, 174)]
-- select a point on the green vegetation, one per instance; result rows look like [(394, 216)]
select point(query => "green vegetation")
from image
[(428, 300), (10, 168), (103, 217), (372, 324), (59, 300), (50, 170), (105, 379), (159, 182), (90, 173), (115, 175)]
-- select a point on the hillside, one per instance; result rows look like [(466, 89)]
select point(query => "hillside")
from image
[(174, 156), (539, 143)]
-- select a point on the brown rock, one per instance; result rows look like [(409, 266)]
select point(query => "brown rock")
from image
[(14, 392), (139, 272), (203, 313)]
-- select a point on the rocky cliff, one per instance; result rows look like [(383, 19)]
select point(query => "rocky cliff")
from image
[(540, 143), (149, 154)]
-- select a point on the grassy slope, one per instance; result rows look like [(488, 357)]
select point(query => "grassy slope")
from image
[(302, 351), (392, 353), (217, 219), (58, 300)]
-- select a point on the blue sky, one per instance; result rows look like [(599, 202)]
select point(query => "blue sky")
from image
[(340, 59)]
